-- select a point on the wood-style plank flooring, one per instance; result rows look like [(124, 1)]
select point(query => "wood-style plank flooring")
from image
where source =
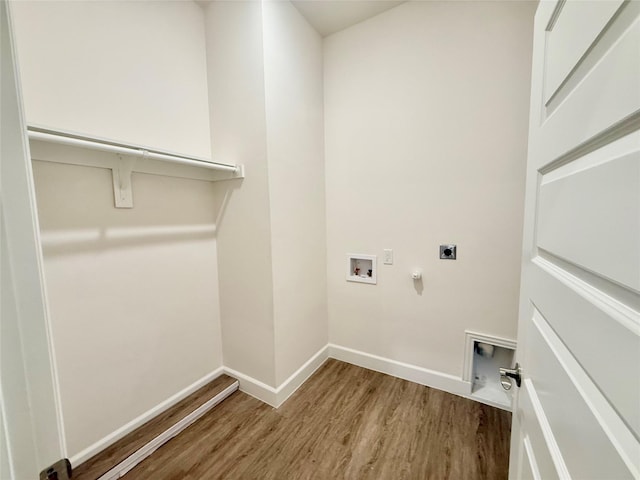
[(99, 464), (345, 422)]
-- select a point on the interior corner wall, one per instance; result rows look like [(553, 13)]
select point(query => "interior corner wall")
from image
[(133, 293), (295, 145), (426, 111), (235, 63)]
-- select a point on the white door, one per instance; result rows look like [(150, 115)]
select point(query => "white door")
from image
[(577, 413), (31, 436)]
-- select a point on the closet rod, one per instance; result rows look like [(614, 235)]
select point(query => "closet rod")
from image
[(133, 151)]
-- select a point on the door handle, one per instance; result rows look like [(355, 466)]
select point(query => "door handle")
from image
[(507, 373)]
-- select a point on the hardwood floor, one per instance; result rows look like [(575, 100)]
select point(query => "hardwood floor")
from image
[(99, 464), (345, 422)]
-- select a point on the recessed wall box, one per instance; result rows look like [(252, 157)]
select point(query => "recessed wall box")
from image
[(448, 252), (361, 268), (484, 355)]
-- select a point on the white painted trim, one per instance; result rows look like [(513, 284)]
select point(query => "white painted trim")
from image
[(545, 427), (263, 392), (249, 385), (14, 71), (623, 314), (64, 137), (531, 457), (470, 338), (113, 437), (57, 395), (291, 384), (122, 166), (277, 396), (139, 455), (618, 432), (619, 148), (140, 146), (5, 431), (413, 373), (423, 376)]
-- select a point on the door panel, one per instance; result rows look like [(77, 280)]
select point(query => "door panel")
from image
[(578, 317), (575, 219), (577, 414), (549, 460), (606, 96), (530, 469), (585, 443), (568, 42), (537, 451)]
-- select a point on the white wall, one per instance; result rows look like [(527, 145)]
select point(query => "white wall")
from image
[(133, 294), (425, 113), (295, 145), (426, 110), (265, 94), (128, 71), (235, 64)]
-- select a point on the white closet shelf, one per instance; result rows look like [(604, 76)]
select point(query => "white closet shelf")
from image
[(123, 160)]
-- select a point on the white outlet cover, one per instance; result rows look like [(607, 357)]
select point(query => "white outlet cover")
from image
[(388, 256)]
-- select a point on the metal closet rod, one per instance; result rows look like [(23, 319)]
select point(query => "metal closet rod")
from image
[(127, 150)]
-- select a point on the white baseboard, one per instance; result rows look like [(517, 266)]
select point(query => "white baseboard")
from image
[(291, 384), (276, 396), (253, 387), (146, 450), (113, 437), (267, 394), (423, 376)]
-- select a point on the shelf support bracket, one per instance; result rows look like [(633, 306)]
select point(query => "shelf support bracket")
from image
[(121, 173)]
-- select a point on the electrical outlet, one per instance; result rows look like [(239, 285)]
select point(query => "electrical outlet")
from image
[(388, 256)]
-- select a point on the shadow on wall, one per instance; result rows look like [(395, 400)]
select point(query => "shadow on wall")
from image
[(418, 286), (77, 215), (140, 282), (79, 241)]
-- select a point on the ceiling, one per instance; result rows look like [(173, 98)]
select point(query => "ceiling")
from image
[(330, 16)]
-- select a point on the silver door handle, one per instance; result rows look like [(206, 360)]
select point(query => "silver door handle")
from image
[(507, 373)]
